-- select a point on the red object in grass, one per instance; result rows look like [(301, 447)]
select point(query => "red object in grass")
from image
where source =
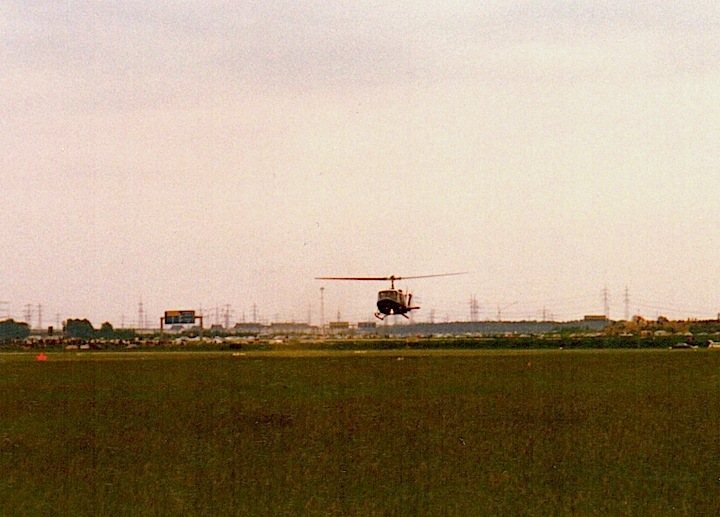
[(41, 357)]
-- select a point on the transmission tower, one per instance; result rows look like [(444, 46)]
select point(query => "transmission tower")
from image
[(322, 308), (28, 313), (474, 309), (606, 302), (227, 313), (141, 315), (627, 304)]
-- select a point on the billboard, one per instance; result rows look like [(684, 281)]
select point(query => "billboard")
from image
[(179, 317)]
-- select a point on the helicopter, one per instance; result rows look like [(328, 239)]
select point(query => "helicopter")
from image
[(391, 301)]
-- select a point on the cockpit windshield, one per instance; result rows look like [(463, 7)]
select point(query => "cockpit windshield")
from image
[(389, 295)]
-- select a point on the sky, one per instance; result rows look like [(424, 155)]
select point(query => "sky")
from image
[(220, 155)]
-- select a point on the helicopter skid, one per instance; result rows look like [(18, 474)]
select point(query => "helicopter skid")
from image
[(381, 316)]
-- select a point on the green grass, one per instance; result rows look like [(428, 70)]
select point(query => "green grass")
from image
[(342, 433)]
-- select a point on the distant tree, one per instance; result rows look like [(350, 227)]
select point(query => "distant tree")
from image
[(79, 328), (106, 331), (705, 326), (10, 329), (680, 326)]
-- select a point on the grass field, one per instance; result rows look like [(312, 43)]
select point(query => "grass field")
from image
[(375, 433)]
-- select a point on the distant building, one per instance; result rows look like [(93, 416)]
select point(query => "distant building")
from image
[(339, 327), (247, 328), (595, 317), (291, 328)]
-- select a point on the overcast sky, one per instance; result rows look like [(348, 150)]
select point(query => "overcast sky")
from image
[(193, 155)]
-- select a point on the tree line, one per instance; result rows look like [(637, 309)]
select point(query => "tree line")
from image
[(73, 328)]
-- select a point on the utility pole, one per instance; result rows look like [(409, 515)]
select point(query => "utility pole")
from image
[(500, 309), (40, 316)]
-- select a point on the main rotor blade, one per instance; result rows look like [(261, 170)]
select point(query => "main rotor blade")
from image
[(375, 278), (429, 276), (383, 278)]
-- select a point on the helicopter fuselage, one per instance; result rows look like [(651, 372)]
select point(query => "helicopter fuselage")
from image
[(393, 301)]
